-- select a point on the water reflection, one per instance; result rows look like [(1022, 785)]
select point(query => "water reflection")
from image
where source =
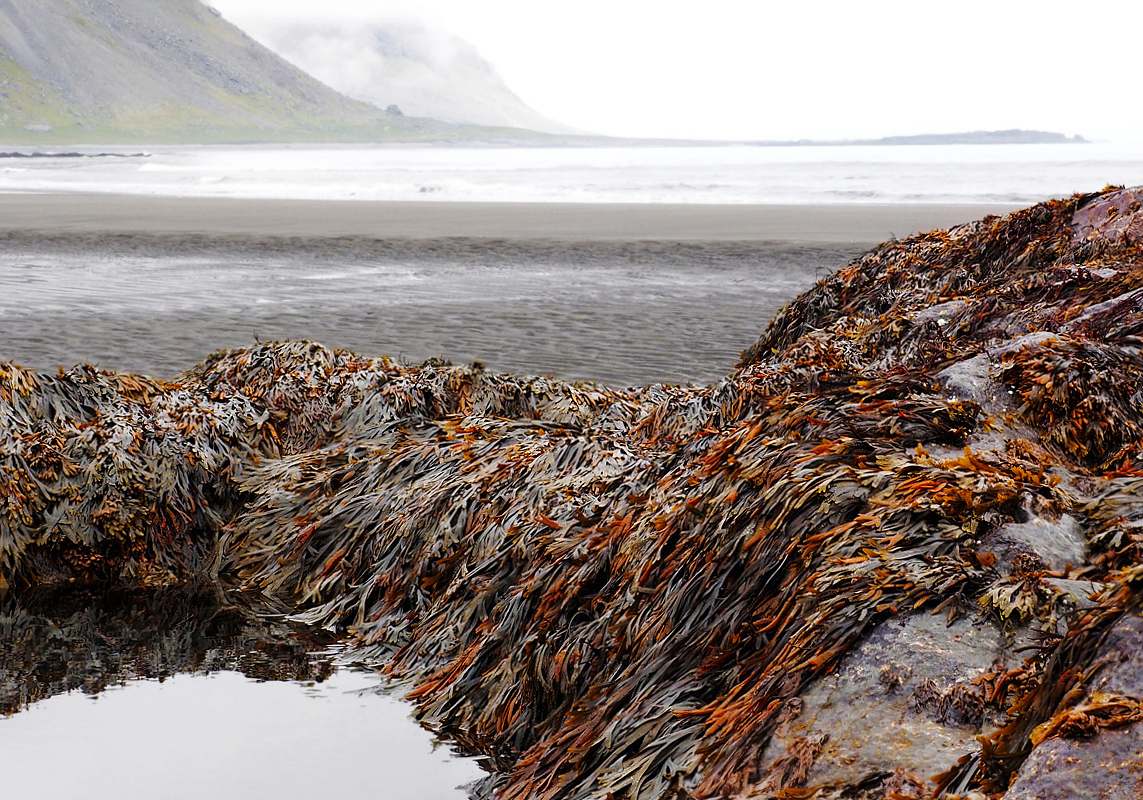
[(89, 639), (191, 694)]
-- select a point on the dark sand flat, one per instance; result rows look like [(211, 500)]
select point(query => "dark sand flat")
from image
[(848, 224), (620, 294)]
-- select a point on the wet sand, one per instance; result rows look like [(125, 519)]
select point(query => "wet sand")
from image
[(615, 293), (865, 224)]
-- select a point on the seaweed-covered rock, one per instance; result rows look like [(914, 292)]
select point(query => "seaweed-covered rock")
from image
[(897, 552)]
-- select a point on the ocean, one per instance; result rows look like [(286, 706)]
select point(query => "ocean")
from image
[(986, 174)]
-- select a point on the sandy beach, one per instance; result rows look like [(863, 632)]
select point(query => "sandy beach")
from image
[(621, 294)]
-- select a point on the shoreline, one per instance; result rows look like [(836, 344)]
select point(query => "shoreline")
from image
[(858, 224)]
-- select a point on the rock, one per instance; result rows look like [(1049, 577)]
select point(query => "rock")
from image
[(1104, 760), (903, 699), (1115, 215)]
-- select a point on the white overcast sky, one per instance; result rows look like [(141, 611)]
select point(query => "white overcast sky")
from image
[(762, 69)]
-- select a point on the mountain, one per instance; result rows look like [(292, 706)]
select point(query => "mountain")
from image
[(1012, 136), (423, 71), (165, 70)]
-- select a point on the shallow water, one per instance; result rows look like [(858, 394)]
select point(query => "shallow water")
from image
[(223, 735), (177, 694), (614, 312)]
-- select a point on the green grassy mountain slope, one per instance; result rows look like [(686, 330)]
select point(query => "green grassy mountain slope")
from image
[(104, 71)]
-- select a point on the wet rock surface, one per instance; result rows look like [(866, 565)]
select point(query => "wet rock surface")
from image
[(895, 553), (1115, 215), (1103, 756), (904, 698)]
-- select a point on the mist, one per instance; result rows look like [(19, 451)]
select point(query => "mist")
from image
[(422, 70)]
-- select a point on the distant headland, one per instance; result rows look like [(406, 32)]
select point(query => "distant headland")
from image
[(1011, 136)]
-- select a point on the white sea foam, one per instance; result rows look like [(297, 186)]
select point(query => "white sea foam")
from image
[(1018, 174)]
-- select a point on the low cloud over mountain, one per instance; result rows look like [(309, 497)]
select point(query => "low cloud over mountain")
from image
[(425, 72)]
